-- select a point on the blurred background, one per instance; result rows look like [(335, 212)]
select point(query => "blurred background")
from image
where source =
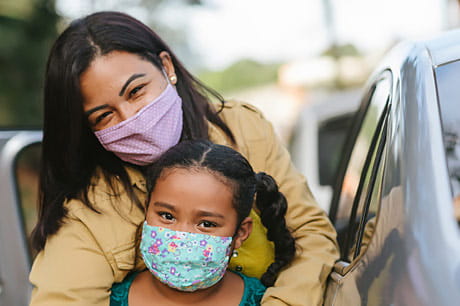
[(302, 62)]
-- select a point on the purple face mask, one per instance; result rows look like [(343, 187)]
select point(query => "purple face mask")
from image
[(142, 138)]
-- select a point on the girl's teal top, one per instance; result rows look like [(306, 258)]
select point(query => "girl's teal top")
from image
[(253, 291)]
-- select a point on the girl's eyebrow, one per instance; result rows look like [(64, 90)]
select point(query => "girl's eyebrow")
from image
[(131, 78), (164, 205), (204, 213)]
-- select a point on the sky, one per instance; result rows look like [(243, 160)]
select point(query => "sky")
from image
[(224, 31)]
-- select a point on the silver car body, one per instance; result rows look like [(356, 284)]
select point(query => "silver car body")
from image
[(413, 254)]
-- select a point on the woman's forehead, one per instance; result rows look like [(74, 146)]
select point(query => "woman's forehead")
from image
[(105, 77)]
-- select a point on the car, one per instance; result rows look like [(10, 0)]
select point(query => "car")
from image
[(394, 202)]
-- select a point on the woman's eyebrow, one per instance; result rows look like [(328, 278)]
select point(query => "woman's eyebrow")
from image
[(131, 78), (89, 112)]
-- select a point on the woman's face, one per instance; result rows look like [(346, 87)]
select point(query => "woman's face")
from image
[(117, 85), (191, 200)]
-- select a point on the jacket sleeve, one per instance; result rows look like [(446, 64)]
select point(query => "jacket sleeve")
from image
[(71, 269), (304, 281)]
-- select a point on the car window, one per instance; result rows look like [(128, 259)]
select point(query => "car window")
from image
[(364, 213), (369, 116), (27, 173), (447, 77), (331, 137)]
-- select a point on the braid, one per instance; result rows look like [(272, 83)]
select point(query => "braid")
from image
[(272, 205)]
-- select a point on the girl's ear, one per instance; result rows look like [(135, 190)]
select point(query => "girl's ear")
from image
[(243, 232)]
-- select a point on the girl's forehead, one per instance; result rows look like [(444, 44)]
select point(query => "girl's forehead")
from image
[(193, 187)]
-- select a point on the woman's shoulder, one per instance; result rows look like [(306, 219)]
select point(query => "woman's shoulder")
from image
[(105, 195), (237, 110), (252, 132)]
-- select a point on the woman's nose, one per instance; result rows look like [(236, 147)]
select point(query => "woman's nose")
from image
[(127, 110)]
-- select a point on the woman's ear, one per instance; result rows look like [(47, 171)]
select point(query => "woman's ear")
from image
[(168, 66), (243, 232)]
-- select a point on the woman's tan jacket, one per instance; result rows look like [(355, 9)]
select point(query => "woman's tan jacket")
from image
[(91, 251)]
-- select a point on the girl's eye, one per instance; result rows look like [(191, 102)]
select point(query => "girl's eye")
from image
[(100, 117), (207, 224), (166, 216), (135, 90)]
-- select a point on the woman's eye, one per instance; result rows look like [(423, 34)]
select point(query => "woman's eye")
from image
[(166, 216), (207, 224), (100, 117), (135, 90)]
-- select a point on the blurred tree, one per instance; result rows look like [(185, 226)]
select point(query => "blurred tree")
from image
[(242, 74), (337, 51), (27, 29)]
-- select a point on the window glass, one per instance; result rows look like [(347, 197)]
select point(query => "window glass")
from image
[(447, 77), (27, 173), (361, 147), (331, 138), (372, 189)]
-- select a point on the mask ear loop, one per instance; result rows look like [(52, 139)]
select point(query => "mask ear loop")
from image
[(166, 76)]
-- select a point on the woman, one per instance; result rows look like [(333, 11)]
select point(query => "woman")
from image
[(200, 196), (105, 74)]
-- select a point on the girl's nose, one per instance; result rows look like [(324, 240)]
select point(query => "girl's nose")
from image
[(185, 227)]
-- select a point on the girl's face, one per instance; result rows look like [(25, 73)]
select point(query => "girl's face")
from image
[(191, 200), (117, 85)]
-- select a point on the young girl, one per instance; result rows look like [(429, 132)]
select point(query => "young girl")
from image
[(200, 196)]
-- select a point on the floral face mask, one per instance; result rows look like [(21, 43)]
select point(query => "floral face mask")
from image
[(184, 261)]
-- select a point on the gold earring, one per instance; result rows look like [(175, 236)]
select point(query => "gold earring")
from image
[(173, 78), (235, 253)]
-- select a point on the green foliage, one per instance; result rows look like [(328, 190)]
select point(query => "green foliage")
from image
[(241, 75), (26, 41), (337, 51)]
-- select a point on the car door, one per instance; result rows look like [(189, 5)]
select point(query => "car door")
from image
[(357, 194), (19, 159)]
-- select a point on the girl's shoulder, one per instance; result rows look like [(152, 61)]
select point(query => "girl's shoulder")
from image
[(253, 290), (119, 293)]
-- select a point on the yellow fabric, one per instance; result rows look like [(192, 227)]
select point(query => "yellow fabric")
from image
[(91, 251), (256, 253)]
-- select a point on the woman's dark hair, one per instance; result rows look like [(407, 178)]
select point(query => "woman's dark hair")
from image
[(70, 151), (232, 167)]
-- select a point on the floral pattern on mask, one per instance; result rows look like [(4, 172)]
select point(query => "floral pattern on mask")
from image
[(182, 260)]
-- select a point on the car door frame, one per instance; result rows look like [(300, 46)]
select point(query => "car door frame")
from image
[(15, 261), (345, 266)]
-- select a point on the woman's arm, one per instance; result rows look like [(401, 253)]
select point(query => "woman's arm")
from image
[(303, 282), (91, 250), (71, 269)]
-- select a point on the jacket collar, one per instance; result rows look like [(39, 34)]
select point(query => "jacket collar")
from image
[(136, 178)]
